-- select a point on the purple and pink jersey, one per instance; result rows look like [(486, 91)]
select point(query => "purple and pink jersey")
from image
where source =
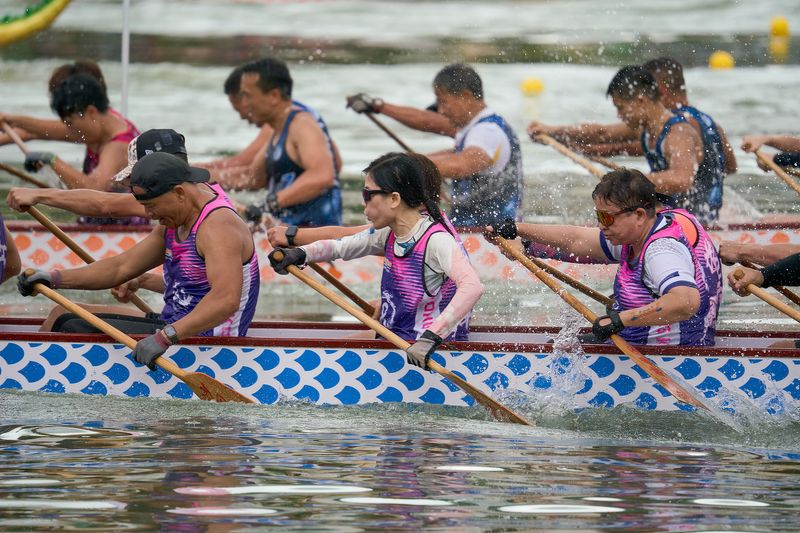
[(3, 249), (186, 281), (631, 292), (408, 305)]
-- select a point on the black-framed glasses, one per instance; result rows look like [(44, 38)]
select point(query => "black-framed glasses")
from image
[(367, 194), (606, 219)]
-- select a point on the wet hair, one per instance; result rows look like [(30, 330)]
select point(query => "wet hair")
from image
[(632, 81), (456, 78), (413, 176), (233, 82), (667, 72), (76, 93), (627, 187), (81, 66), (272, 74)]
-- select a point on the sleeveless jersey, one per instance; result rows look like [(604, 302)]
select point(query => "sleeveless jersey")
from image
[(186, 282), (486, 197), (705, 197), (408, 307), (324, 210), (630, 291), (3, 249), (90, 162)]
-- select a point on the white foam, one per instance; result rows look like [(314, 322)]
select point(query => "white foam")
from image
[(469, 468), (96, 505), (560, 509), (273, 489), (396, 501), (223, 511), (723, 502)]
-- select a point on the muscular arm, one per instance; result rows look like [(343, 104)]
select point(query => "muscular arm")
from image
[(312, 153), (730, 157), (683, 151), (79, 201), (13, 262), (576, 242), (462, 164), (680, 303), (761, 254), (106, 273), (420, 119), (31, 128), (113, 158), (225, 244), (585, 134), (631, 148)]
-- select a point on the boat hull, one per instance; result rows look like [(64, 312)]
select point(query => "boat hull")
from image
[(341, 371)]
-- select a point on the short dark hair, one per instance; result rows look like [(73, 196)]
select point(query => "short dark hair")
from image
[(272, 74), (233, 82), (632, 81), (668, 71), (458, 77), (81, 66), (76, 93), (627, 187)]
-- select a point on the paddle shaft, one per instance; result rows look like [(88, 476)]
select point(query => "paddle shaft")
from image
[(23, 176), (79, 251), (572, 282), (783, 290), (204, 386), (605, 162), (778, 170), (582, 161), (388, 132), (20, 143), (344, 289), (498, 410), (636, 356), (771, 300)]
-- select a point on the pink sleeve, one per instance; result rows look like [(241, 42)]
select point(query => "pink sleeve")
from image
[(469, 291)]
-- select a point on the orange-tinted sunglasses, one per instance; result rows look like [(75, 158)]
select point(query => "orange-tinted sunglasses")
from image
[(606, 219)]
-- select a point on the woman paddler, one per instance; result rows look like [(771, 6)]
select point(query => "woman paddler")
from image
[(428, 287)]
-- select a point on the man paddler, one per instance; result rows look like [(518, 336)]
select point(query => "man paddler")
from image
[(211, 277)]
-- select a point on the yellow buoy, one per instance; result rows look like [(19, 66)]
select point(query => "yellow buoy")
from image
[(721, 60), (531, 86), (779, 49), (779, 27)]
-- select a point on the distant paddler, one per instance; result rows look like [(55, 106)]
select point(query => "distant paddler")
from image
[(486, 162), (211, 277), (666, 291), (686, 151), (428, 287), (789, 146)]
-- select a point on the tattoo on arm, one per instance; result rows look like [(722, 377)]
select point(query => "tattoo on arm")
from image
[(654, 307)]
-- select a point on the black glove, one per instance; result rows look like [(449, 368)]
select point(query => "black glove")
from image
[(36, 160), (364, 103), (419, 353), (150, 348), (25, 282), (253, 213), (614, 325), (506, 229), (291, 256)]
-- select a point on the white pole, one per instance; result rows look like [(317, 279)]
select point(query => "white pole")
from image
[(126, 45)]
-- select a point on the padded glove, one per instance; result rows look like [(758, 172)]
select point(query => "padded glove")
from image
[(36, 160), (419, 353), (290, 256), (150, 348), (614, 325), (364, 103)]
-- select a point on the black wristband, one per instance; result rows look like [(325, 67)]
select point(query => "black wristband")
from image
[(291, 233), (431, 336)]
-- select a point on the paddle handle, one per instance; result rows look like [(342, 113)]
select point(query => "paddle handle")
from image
[(103, 326), (388, 132), (498, 410), (767, 297), (543, 138), (23, 147), (79, 251), (778, 170), (23, 176), (783, 290), (636, 356), (344, 289)]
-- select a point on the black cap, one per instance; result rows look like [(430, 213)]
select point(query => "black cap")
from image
[(159, 172), (149, 142)]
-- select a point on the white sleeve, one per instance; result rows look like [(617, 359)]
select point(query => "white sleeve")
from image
[(368, 242), (668, 263), (490, 138)]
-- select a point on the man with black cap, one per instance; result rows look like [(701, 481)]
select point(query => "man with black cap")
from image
[(211, 276), (92, 203)]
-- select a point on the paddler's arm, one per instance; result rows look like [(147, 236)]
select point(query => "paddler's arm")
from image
[(574, 243), (682, 149), (458, 165), (419, 119), (85, 202)]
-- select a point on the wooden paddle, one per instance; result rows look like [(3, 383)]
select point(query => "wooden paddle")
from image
[(344, 289), (636, 356), (572, 282), (783, 290), (498, 410), (24, 148), (543, 138), (23, 176), (605, 162), (79, 251), (388, 132), (204, 386), (778, 170), (771, 300)]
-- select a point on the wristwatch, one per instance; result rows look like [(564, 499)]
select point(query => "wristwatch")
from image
[(291, 233), (171, 334)]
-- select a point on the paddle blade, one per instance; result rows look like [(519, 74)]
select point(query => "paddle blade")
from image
[(208, 388), (499, 411)]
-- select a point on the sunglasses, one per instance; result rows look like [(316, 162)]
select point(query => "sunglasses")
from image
[(606, 219), (367, 194)]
